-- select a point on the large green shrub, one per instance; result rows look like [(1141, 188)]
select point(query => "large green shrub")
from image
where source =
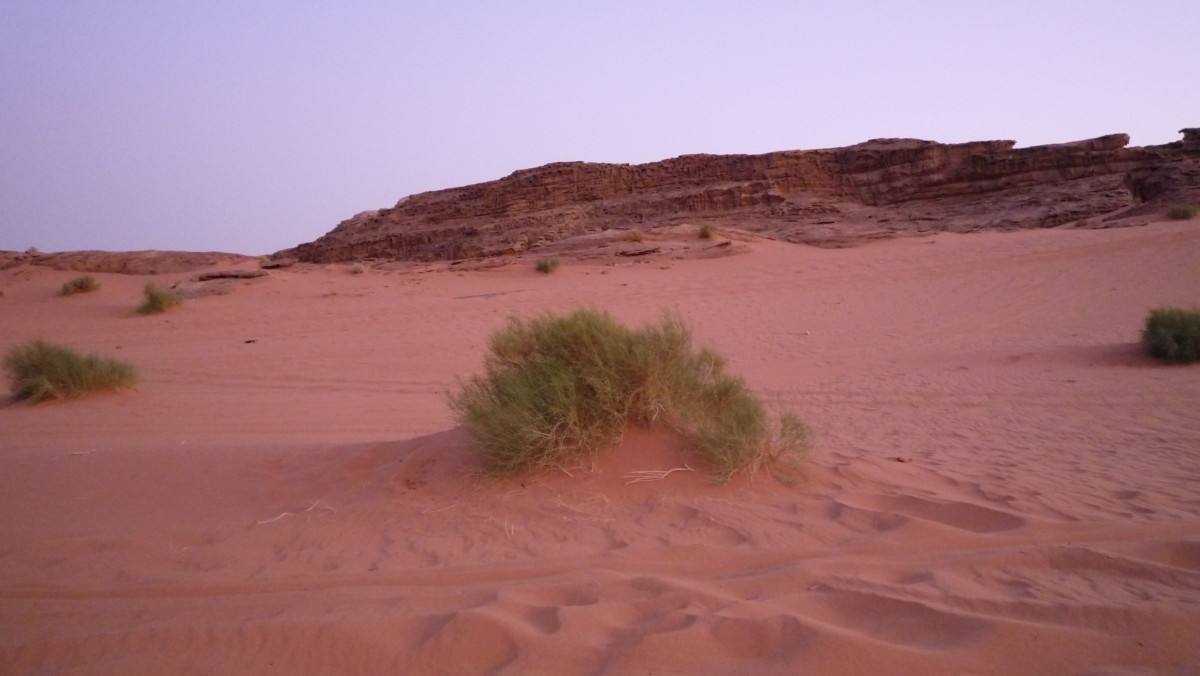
[(558, 390), (1172, 335), (40, 370)]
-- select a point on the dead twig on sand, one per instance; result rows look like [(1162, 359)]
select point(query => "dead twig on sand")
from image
[(303, 511), (640, 475)]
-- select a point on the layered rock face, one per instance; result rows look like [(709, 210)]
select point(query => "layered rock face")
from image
[(828, 197)]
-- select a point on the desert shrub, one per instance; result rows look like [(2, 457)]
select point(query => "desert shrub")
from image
[(707, 231), (635, 235), (547, 265), (357, 269), (40, 370), (1172, 335), (1182, 212), (82, 284), (558, 390), (156, 299)]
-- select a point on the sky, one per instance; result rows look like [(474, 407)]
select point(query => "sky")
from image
[(250, 126)]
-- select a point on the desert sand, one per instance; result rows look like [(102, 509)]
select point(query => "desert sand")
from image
[(1000, 482)]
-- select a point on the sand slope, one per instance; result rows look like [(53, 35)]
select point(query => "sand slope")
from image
[(1001, 483)]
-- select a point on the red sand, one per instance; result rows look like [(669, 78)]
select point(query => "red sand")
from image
[(1001, 482)]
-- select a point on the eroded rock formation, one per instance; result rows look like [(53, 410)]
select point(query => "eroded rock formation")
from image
[(828, 197), (127, 262)]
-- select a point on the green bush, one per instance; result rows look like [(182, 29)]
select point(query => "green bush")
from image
[(156, 299), (1172, 335), (41, 370), (1182, 212), (547, 265), (558, 390), (82, 284), (707, 231)]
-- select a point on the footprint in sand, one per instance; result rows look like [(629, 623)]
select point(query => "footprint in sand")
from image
[(773, 637), (961, 515), (905, 623), (864, 520), (492, 641), (1181, 554), (566, 595)]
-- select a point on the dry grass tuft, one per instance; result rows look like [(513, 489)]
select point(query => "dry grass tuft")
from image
[(1182, 212), (156, 300), (41, 370), (84, 284), (1172, 335)]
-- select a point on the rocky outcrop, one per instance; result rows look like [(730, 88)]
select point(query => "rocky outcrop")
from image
[(829, 197), (127, 262), (1191, 138)]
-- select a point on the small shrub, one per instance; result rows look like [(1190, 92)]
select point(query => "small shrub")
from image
[(635, 235), (558, 390), (1182, 212), (547, 265), (1172, 335), (707, 231), (156, 299), (357, 269), (83, 284), (41, 370)]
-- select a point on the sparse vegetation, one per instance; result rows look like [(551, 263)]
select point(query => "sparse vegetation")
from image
[(83, 284), (707, 231), (1172, 335), (357, 269), (547, 265), (1182, 212), (156, 299), (635, 235), (558, 390), (41, 370)]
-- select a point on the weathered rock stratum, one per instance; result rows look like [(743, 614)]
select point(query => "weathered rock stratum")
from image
[(833, 197), (125, 262)]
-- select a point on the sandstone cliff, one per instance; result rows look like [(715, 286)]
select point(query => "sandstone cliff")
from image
[(828, 197)]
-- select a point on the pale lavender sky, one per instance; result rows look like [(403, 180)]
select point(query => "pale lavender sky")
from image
[(251, 126)]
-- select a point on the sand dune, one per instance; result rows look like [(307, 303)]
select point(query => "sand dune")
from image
[(1001, 482)]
